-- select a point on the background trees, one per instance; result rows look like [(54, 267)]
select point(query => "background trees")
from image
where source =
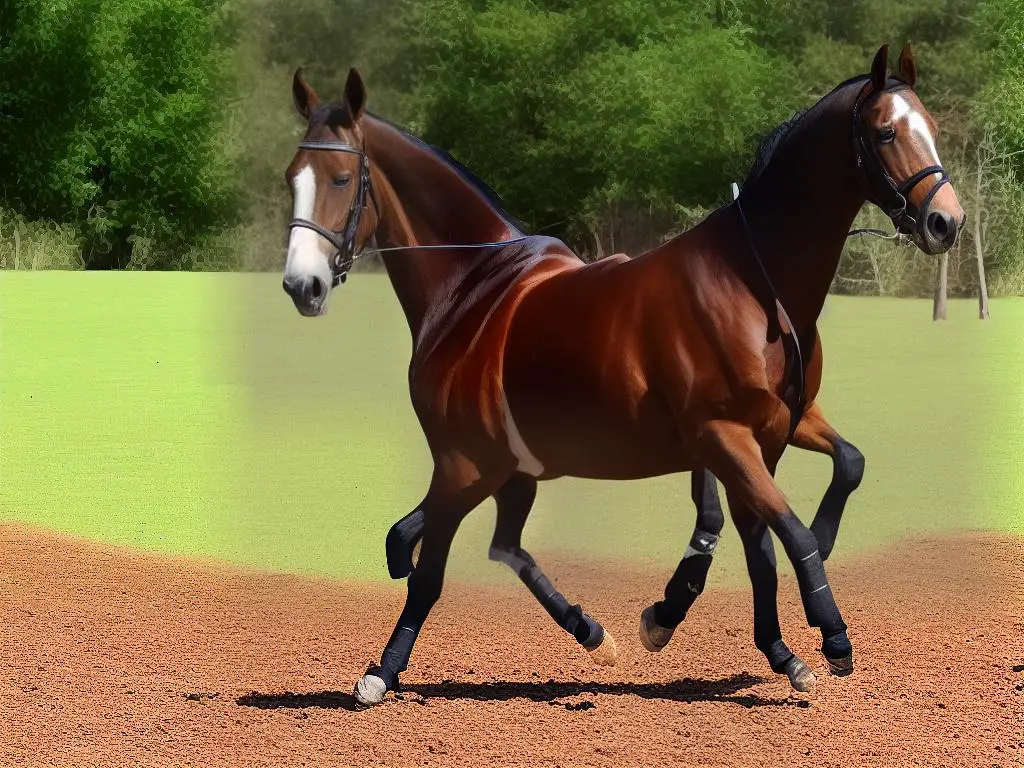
[(640, 112), (111, 120)]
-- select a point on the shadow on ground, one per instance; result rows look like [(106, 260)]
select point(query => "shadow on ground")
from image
[(687, 690)]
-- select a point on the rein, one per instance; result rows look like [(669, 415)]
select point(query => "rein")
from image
[(796, 389), (344, 241)]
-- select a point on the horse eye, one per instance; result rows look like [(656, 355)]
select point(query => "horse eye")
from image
[(341, 181), (886, 135)]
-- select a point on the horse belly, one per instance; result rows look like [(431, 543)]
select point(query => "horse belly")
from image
[(576, 411)]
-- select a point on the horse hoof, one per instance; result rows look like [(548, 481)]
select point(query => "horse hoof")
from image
[(370, 690), (606, 654), (653, 636), (842, 666), (800, 675)]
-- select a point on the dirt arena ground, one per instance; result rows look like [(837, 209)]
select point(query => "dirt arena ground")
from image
[(115, 658)]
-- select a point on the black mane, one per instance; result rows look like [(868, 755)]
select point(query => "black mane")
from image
[(336, 114), (771, 143)]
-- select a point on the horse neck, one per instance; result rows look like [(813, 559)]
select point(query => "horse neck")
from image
[(424, 201), (800, 209)]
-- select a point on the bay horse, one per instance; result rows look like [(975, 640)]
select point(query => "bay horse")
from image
[(528, 364)]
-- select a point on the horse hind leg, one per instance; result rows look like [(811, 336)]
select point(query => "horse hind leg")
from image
[(514, 501), (659, 621), (761, 567)]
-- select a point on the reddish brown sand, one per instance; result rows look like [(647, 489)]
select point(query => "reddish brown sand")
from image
[(113, 658)]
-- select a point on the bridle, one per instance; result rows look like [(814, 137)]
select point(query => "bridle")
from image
[(882, 190), (344, 241)]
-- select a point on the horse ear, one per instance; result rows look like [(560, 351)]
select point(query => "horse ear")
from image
[(880, 68), (303, 95), (908, 67), (355, 95)]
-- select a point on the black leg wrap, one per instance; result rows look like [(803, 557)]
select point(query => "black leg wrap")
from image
[(587, 632), (690, 576), (778, 655), (547, 595), (688, 581), (849, 467), (819, 604), (400, 542), (837, 646), (760, 555), (571, 618), (395, 658)]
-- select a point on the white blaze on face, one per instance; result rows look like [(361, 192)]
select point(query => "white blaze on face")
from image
[(307, 251), (916, 124)]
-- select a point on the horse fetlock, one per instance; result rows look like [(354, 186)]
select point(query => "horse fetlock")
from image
[(838, 651), (586, 629), (653, 636)]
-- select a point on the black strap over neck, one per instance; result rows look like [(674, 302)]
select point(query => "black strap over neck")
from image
[(795, 392)]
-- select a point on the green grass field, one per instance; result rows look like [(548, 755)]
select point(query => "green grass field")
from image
[(199, 414)]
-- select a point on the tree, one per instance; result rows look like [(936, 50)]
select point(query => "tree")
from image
[(939, 305), (588, 116), (112, 116)]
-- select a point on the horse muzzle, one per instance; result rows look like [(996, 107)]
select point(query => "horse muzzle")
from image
[(308, 292)]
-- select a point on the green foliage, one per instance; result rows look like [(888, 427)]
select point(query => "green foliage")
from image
[(610, 123), (37, 244), (999, 109), (573, 110), (111, 119)]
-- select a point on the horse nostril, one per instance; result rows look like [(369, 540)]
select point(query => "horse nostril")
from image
[(941, 226), (318, 288)]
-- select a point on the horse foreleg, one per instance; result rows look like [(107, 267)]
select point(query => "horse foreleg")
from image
[(514, 501), (732, 453), (442, 511), (813, 433), (659, 621)]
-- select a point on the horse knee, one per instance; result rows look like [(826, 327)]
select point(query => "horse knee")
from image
[(400, 543), (849, 466)]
